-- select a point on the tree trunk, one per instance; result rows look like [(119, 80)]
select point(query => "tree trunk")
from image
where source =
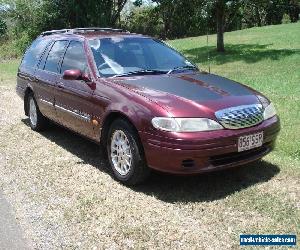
[(258, 17), (220, 26), (117, 8)]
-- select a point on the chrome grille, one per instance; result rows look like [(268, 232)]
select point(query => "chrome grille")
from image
[(241, 116)]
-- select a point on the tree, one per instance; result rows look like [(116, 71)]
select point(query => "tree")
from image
[(220, 6), (88, 13), (293, 10), (145, 20), (197, 17), (254, 13), (166, 9), (168, 19), (182, 18), (3, 28), (223, 12), (31, 17)]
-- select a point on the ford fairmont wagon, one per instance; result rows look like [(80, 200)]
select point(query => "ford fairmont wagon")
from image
[(144, 103)]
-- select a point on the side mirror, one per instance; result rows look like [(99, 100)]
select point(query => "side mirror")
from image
[(75, 74), (72, 74)]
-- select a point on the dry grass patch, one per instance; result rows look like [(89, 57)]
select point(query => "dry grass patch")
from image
[(286, 188)]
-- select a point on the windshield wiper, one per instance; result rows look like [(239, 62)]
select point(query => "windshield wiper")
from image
[(142, 72), (192, 67)]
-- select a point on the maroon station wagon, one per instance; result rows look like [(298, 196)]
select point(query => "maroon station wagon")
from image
[(144, 102)]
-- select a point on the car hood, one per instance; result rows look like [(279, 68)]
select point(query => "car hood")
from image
[(191, 95)]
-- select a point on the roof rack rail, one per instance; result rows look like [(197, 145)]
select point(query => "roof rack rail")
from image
[(51, 32), (81, 30), (98, 29)]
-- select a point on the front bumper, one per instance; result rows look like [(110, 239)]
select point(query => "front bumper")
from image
[(206, 151)]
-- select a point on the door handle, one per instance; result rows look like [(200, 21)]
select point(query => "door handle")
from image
[(35, 79)]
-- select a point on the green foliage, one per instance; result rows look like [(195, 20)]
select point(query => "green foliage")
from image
[(26, 19), (31, 17), (3, 28), (138, 3), (286, 18), (90, 12), (23, 42), (145, 20), (182, 18), (265, 12)]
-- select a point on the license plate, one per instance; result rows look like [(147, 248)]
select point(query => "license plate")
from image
[(247, 142)]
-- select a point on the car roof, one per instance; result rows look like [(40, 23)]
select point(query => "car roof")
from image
[(89, 33)]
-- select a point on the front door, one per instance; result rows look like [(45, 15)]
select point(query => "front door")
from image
[(73, 100)]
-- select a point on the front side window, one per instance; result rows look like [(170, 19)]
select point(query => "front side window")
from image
[(54, 56), (33, 53), (119, 55), (75, 58)]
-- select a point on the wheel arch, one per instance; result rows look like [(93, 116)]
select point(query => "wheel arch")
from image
[(107, 122), (28, 91)]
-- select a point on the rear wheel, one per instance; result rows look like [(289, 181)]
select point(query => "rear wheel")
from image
[(36, 120), (125, 154)]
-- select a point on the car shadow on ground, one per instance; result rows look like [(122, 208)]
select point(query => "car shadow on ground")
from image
[(209, 186), (169, 188)]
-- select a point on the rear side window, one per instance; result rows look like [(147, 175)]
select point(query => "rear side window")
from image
[(42, 62), (33, 53), (75, 58), (54, 56)]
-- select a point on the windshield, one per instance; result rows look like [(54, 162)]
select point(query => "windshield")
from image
[(119, 56)]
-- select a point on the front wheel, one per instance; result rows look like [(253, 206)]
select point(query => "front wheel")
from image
[(125, 154)]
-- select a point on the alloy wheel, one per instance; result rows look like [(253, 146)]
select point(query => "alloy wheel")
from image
[(32, 112), (121, 155)]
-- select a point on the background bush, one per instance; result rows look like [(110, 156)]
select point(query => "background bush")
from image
[(286, 18), (145, 20)]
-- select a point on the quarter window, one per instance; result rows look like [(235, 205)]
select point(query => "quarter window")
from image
[(33, 53), (54, 56), (75, 57)]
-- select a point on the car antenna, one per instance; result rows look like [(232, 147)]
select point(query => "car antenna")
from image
[(208, 55)]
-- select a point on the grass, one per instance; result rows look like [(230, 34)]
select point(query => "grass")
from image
[(8, 71), (71, 201)]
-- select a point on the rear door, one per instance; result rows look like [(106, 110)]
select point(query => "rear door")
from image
[(26, 76), (47, 75), (73, 99)]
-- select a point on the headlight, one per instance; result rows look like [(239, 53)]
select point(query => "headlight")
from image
[(185, 124), (269, 112)]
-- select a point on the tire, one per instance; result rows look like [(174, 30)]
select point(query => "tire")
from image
[(37, 121), (122, 142)]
